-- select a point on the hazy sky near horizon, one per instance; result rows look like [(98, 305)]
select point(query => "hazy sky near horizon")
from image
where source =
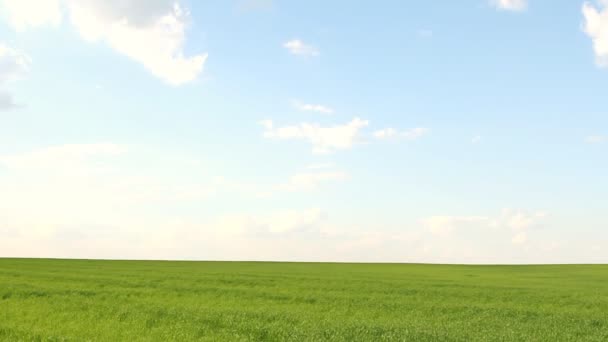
[(470, 131)]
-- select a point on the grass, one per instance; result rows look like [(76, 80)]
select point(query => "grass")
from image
[(76, 300)]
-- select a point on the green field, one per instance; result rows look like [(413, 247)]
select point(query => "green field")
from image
[(75, 300)]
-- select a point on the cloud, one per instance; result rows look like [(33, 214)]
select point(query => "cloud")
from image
[(520, 238), (518, 220), (61, 184), (510, 220), (307, 181), (323, 139), (320, 166), (476, 139), (510, 5), (415, 133), (444, 225), (151, 33), (23, 14), (298, 47), (385, 133), (92, 227), (85, 186), (62, 156), (392, 133), (596, 139), (107, 200), (97, 170), (304, 181), (14, 65), (596, 27), (283, 223), (6, 101), (306, 107)]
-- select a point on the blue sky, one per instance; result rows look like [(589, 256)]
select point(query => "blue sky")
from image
[(454, 131)]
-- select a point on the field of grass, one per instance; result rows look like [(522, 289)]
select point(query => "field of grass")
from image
[(75, 300)]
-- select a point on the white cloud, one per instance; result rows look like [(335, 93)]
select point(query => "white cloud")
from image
[(515, 221), (510, 5), (14, 65), (520, 238), (596, 139), (103, 183), (6, 101), (107, 200), (292, 234), (304, 181), (149, 32), (62, 156), (415, 133), (391, 133), (151, 35), (24, 14), (476, 139), (277, 223), (445, 225), (60, 183), (319, 166), (89, 178), (307, 107), (307, 181), (267, 124), (385, 133), (518, 220), (86, 186), (323, 139), (298, 47), (596, 27)]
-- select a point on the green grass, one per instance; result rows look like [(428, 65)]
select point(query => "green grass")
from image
[(75, 300)]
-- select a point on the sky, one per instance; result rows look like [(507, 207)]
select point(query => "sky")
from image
[(471, 131)]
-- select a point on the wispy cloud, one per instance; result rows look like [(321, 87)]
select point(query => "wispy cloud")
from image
[(385, 133), (596, 27), (67, 156), (445, 225), (520, 238), (392, 133), (282, 223), (7, 101), (298, 47), (517, 222), (307, 181), (308, 107), (324, 139), (320, 166), (23, 14), (151, 33), (14, 65), (510, 5)]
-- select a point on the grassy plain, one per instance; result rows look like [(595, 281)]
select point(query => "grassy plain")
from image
[(76, 300)]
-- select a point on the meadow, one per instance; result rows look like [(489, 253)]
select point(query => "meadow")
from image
[(94, 300)]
